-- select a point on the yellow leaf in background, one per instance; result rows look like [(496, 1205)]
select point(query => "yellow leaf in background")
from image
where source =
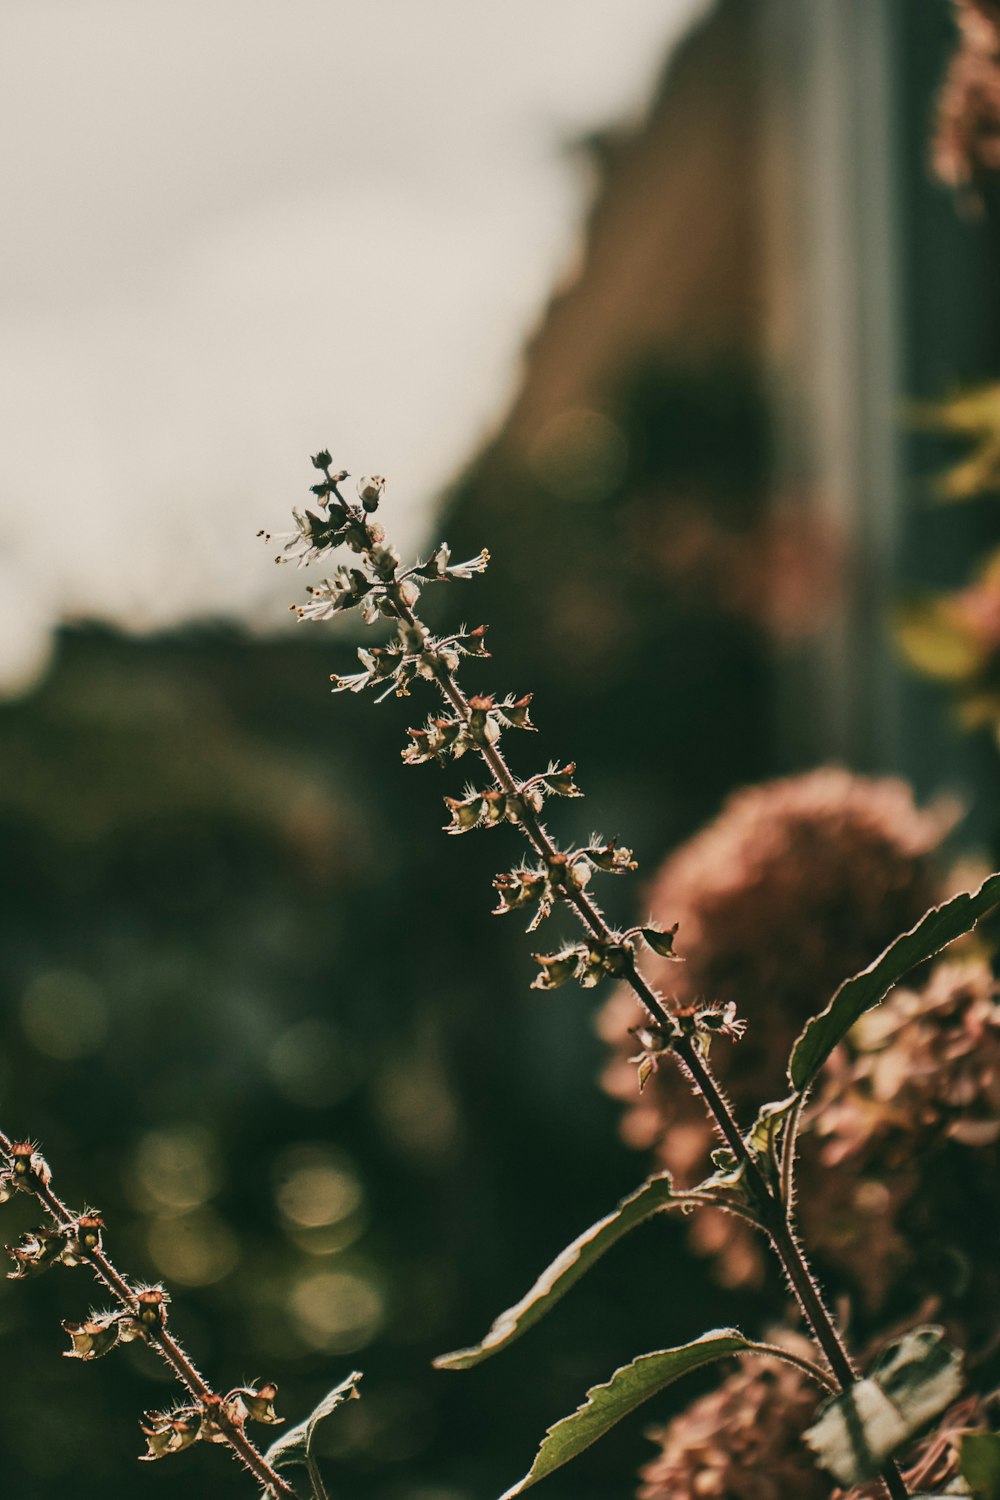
[(975, 414), (934, 642), (978, 710)]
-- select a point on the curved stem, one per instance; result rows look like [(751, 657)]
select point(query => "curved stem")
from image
[(775, 1351), (788, 1152)]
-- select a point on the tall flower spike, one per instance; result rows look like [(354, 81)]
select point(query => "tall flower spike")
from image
[(565, 877)]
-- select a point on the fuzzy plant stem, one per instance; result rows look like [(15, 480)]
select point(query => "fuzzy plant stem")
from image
[(160, 1337), (777, 1221), (775, 1214)]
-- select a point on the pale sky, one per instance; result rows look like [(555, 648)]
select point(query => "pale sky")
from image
[(236, 230)]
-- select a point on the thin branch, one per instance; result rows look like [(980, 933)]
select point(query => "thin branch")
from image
[(775, 1351), (31, 1174)]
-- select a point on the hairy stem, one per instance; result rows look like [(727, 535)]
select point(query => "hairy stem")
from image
[(777, 1213), (161, 1339)]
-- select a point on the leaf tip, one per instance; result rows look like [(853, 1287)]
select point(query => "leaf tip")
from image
[(458, 1359)]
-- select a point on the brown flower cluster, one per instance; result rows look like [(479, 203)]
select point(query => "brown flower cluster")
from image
[(796, 885), (889, 1132), (741, 1442), (967, 136), (744, 1442)]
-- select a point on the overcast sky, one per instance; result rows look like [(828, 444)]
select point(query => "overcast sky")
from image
[(235, 230)]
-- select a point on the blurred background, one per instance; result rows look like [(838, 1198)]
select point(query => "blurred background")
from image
[(651, 298)]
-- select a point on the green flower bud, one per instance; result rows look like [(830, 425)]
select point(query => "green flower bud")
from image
[(557, 968)]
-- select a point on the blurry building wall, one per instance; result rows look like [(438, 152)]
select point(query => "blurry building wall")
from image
[(773, 213)]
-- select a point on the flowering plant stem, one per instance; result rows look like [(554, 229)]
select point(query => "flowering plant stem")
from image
[(389, 591), (777, 1216), (25, 1169)]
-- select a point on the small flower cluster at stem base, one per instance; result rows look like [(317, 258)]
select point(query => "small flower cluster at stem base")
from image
[(140, 1312), (66, 1244), (208, 1420)]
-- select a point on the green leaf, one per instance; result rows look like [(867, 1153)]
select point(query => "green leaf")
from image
[(914, 1379), (628, 1388), (295, 1445), (656, 1193), (932, 933), (980, 1464)]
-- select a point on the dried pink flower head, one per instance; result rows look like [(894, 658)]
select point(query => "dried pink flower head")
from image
[(797, 884), (967, 136), (892, 1124), (741, 1442), (744, 1442)]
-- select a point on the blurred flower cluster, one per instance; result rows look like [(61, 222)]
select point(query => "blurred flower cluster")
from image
[(896, 1117), (797, 884), (967, 138), (743, 1442), (740, 1442)]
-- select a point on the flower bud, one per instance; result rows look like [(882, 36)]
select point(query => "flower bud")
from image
[(28, 1163), (384, 562), (152, 1302), (36, 1251), (519, 888), (321, 460), (170, 1431), (412, 639), (610, 859), (465, 813), (514, 711), (661, 942), (474, 642), (370, 489), (483, 725), (100, 1333), (214, 1414), (495, 806), (85, 1237), (721, 1019), (557, 967), (259, 1403), (560, 781), (434, 567)]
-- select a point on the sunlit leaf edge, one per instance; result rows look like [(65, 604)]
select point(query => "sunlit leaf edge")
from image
[(939, 927), (605, 1405), (655, 1194), (293, 1446)]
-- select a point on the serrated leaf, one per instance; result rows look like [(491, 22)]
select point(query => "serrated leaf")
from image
[(914, 1379), (864, 991), (295, 1445), (980, 1464), (628, 1388), (656, 1193)]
